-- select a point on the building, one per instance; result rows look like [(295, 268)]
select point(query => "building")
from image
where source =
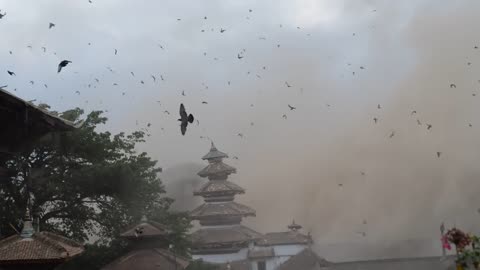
[(149, 250), (23, 123), (36, 250), (223, 240)]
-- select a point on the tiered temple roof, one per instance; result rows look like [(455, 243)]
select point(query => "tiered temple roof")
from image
[(220, 212), (43, 249)]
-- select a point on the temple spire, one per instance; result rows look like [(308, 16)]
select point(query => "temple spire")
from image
[(294, 226), (27, 231)]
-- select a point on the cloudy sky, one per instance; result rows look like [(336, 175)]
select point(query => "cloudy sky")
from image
[(327, 163)]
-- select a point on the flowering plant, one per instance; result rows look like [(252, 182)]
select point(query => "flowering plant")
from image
[(460, 239)]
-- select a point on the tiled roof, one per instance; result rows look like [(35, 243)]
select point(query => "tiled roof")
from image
[(236, 265), (219, 186), (306, 260), (216, 168), (214, 153), (57, 123), (228, 234), (146, 229), (284, 238), (148, 259), (221, 209), (42, 246)]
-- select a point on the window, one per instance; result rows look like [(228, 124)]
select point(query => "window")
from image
[(261, 265)]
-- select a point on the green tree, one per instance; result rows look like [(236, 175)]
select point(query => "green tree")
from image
[(84, 183)]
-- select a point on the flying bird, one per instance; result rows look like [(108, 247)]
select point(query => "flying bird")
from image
[(32, 82), (413, 112), (438, 154), (392, 134), (429, 126), (378, 106), (11, 73), (167, 112), (133, 74), (470, 124), (204, 102), (291, 107), (222, 30), (51, 25), (288, 85), (116, 51), (46, 86), (63, 64), (2, 15), (29, 46), (161, 77), (240, 135), (453, 85), (235, 157), (44, 49), (239, 56), (142, 82), (153, 77), (284, 116), (184, 119), (77, 92), (418, 122), (10, 52), (183, 92), (375, 120)]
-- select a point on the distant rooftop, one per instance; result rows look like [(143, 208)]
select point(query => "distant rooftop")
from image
[(214, 153), (230, 234), (285, 238), (221, 209)]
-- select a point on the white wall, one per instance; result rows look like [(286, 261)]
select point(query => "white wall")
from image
[(223, 258)]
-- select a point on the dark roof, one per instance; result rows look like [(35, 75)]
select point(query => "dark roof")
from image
[(146, 228), (237, 265), (219, 186), (215, 168), (221, 209), (214, 153), (229, 234), (146, 259), (261, 253), (285, 238), (422, 263), (55, 122), (306, 260), (41, 247)]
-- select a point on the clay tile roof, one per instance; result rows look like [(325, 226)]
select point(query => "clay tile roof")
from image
[(219, 186), (305, 260), (148, 259), (284, 238), (48, 118), (230, 234), (41, 247), (214, 153), (146, 228), (261, 253), (217, 168), (221, 209)]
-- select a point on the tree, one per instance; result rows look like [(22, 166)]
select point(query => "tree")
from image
[(84, 183)]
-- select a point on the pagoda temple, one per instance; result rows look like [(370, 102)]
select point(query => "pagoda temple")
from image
[(221, 237), (36, 250), (149, 249)]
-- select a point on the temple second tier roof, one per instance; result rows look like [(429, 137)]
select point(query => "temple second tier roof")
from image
[(215, 239), (215, 210), (218, 188), (217, 170)]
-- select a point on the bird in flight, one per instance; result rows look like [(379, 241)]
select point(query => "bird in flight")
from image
[(239, 56), (44, 49), (453, 85), (142, 82), (2, 15), (392, 134), (183, 92), (167, 112), (153, 77), (184, 119), (378, 106), (222, 30), (288, 85), (429, 126), (133, 74), (375, 120), (11, 73), (204, 102), (51, 25), (438, 154), (63, 64), (284, 116), (418, 122), (116, 51), (240, 135), (77, 92), (32, 82), (414, 112), (291, 107)]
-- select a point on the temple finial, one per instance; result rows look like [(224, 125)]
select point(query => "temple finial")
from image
[(27, 231)]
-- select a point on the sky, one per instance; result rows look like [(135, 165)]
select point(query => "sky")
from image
[(409, 64)]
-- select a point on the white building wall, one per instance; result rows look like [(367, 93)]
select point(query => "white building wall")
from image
[(223, 258)]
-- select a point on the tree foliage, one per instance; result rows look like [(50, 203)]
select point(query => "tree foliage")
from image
[(84, 183)]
